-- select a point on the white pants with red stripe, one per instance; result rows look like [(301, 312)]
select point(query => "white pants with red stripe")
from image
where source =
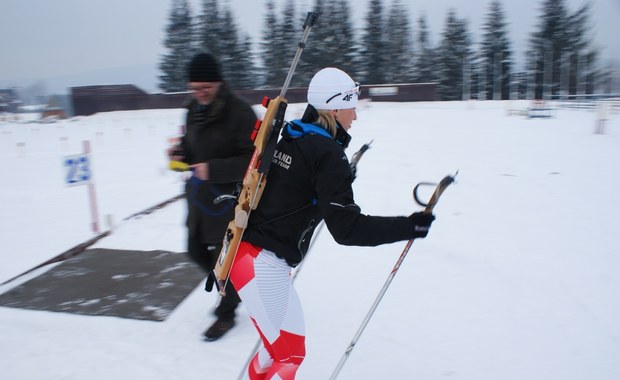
[(265, 286)]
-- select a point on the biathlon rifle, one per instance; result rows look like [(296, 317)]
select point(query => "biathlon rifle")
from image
[(265, 137)]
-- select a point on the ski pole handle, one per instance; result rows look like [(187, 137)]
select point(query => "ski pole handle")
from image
[(358, 155), (439, 189)]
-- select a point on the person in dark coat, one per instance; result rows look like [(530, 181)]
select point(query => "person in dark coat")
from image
[(218, 147), (309, 180)]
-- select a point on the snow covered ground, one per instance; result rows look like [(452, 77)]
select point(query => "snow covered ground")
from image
[(518, 278)]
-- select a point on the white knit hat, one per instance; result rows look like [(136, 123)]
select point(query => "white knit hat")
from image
[(332, 89)]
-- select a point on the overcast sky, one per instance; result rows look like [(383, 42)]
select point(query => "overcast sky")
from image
[(44, 38)]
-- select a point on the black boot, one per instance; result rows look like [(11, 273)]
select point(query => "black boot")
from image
[(218, 329), (225, 313)]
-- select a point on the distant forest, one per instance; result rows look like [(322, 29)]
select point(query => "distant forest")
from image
[(390, 48)]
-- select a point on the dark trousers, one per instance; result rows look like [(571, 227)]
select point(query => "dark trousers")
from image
[(205, 256)]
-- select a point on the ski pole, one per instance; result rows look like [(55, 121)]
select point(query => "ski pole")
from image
[(445, 182)]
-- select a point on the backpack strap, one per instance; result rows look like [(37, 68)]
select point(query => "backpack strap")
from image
[(296, 129)]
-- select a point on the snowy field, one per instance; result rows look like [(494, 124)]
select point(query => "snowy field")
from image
[(518, 279)]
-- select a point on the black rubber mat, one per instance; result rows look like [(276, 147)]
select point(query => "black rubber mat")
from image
[(120, 283)]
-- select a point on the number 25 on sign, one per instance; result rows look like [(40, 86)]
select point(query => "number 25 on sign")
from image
[(77, 169)]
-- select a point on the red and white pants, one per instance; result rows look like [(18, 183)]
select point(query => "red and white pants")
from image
[(265, 286)]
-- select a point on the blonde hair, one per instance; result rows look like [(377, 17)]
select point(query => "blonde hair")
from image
[(327, 121)]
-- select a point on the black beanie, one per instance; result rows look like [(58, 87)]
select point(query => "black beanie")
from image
[(204, 68)]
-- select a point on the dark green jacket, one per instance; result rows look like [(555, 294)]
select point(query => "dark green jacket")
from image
[(218, 134)]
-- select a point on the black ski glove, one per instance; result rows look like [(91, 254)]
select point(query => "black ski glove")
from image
[(211, 255), (421, 223), (210, 281)]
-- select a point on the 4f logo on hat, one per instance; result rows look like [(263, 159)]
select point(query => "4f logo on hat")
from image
[(347, 98)]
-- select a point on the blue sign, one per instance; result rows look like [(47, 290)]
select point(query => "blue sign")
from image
[(77, 170)]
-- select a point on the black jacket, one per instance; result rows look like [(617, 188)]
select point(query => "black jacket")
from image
[(218, 134), (310, 180)]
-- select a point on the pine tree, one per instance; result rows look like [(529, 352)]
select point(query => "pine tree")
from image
[(345, 42), (425, 64), (278, 47), (235, 54), (609, 80), (271, 65), (373, 45), (495, 54), (290, 31), (399, 50), (250, 73), (331, 43), (179, 43), (545, 45), (455, 50), (561, 55), (219, 35), (580, 58), (320, 49), (209, 28)]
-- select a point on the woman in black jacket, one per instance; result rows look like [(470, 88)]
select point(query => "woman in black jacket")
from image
[(309, 181)]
